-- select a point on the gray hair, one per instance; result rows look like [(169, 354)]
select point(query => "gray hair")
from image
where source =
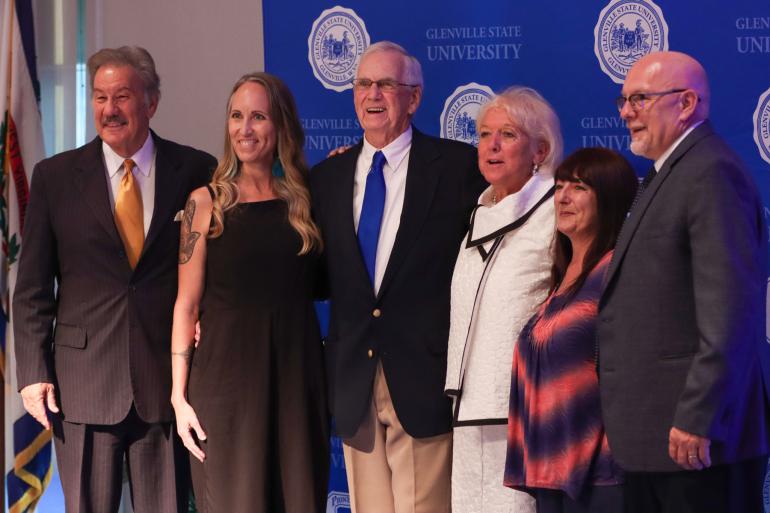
[(533, 115), (412, 67), (134, 56)]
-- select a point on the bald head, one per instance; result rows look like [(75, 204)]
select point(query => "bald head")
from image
[(676, 96), (676, 70)]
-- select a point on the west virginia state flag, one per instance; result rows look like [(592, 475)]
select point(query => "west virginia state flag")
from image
[(27, 445)]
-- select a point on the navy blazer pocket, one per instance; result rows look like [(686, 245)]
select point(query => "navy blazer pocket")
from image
[(688, 355), (70, 336)]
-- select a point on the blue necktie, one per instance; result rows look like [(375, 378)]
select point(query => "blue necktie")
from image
[(371, 213)]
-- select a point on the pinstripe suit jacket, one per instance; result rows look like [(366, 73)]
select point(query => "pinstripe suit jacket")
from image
[(83, 319)]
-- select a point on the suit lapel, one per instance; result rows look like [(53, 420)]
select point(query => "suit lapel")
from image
[(91, 181), (421, 180), (341, 211), (167, 188), (637, 213)]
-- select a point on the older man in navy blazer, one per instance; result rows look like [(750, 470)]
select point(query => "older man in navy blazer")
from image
[(393, 210)]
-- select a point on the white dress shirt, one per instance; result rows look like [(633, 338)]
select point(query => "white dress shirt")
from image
[(666, 154), (397, 156), (144, 175)]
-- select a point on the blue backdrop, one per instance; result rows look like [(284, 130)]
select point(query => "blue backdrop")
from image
[(575, 53)]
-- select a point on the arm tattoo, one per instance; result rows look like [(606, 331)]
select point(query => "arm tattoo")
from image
[(184, 354), (189, 237)]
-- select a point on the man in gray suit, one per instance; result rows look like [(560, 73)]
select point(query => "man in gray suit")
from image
[(94, 299), (682, 354)]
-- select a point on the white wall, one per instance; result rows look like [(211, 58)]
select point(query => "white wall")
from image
[(56, 24), (200, 48)]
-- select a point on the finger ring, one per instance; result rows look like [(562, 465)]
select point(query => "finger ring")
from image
[(691, 457)]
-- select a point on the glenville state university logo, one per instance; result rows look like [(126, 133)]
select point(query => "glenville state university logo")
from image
[(762, 126), (458, 119), (626, 31), (336, 42)]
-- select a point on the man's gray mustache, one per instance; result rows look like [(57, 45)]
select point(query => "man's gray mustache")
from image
[(113, 119)]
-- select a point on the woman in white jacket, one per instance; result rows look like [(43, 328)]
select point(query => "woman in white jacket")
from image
[(501, 276)]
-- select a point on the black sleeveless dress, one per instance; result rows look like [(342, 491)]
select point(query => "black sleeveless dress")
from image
[(257, 378)]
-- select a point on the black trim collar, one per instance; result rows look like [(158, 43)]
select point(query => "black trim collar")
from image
[(505, 229)]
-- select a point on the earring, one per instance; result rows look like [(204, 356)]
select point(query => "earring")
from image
[(535, 168), (277, 169)]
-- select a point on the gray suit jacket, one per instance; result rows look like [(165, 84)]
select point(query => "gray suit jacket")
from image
[(682, 320), (110, 347)]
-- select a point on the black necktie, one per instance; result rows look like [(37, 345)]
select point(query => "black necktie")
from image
[(648, 178), (651, 174)]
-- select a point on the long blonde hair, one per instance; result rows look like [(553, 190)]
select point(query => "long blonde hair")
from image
[(292, 187)]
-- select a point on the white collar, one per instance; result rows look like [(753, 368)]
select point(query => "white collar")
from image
[(142, 158), (394, 152), (666, 154), (491, 217)]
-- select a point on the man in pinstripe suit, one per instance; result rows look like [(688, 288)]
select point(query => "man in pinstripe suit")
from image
[(94, 298)]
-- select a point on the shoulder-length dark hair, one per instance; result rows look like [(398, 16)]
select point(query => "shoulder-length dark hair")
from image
[(614, 182)]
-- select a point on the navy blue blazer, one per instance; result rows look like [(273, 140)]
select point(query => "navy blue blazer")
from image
[(406, 325)]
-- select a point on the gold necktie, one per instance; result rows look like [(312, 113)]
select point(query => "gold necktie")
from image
[(129, 214)]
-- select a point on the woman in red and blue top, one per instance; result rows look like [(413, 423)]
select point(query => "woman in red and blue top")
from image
[(557, 448)]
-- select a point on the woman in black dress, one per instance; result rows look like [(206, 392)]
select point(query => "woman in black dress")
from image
[(250, 401)]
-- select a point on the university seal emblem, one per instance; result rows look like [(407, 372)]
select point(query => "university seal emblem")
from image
[(334, 46), (458, 119), (626, 31), (762, 125)]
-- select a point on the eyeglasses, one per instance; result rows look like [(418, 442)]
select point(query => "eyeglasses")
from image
[(637, 100), (386, 85)]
